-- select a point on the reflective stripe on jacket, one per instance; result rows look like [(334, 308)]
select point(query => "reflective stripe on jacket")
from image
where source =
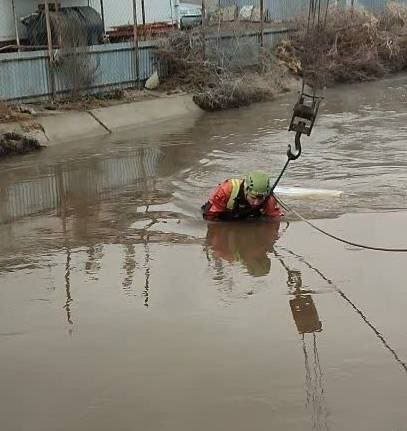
[(234, 194)]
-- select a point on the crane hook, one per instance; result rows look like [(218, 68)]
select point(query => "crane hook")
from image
[(298, 149)]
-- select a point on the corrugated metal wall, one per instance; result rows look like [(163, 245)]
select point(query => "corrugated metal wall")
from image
[(25, 75)]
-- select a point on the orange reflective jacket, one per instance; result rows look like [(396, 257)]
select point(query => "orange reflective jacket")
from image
[(222, 203)]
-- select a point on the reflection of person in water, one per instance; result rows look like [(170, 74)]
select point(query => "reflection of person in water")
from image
[(247, 243)]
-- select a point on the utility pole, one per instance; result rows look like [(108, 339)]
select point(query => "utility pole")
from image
[(102, 13)]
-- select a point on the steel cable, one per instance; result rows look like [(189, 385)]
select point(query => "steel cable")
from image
[(345, 241)]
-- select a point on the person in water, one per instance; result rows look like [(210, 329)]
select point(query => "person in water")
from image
[(247, 197)]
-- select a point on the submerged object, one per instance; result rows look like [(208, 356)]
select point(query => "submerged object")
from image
[(311, 193)]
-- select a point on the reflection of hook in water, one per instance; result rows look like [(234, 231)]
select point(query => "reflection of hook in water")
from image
[(314, 387), (320, 408), (307, 321), (294, 281), (307, 371), (355, 308)]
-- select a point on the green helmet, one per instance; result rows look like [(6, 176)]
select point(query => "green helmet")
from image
[(257, 183)]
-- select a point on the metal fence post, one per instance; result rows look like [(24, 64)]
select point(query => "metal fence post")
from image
[(143, 12), (176, 10), (136, 61), (102, 13), (143, 18), (204, 13), (50, 51), (262, 23), (13, 5)]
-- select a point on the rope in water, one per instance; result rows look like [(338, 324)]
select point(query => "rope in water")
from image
[(345, 241)]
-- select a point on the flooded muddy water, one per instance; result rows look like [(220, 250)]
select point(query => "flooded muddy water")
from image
[(121, 309)]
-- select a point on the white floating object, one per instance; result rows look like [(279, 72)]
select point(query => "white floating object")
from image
[(309, 193)]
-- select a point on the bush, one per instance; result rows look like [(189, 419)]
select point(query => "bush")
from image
[(216, 82), (353, 45)]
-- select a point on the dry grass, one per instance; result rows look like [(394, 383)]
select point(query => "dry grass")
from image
[(210, 73), (354, 45), (10, 113)]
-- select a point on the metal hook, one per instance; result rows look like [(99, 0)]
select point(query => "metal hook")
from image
[(298, 149)]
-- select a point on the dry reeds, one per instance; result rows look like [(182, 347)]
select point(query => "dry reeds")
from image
[(9, 113), (353, 45), (218, 77)]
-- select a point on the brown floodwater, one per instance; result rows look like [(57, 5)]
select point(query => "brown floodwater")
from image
[(121, 309)]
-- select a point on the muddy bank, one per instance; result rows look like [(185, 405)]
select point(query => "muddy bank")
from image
[(12, 143)]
